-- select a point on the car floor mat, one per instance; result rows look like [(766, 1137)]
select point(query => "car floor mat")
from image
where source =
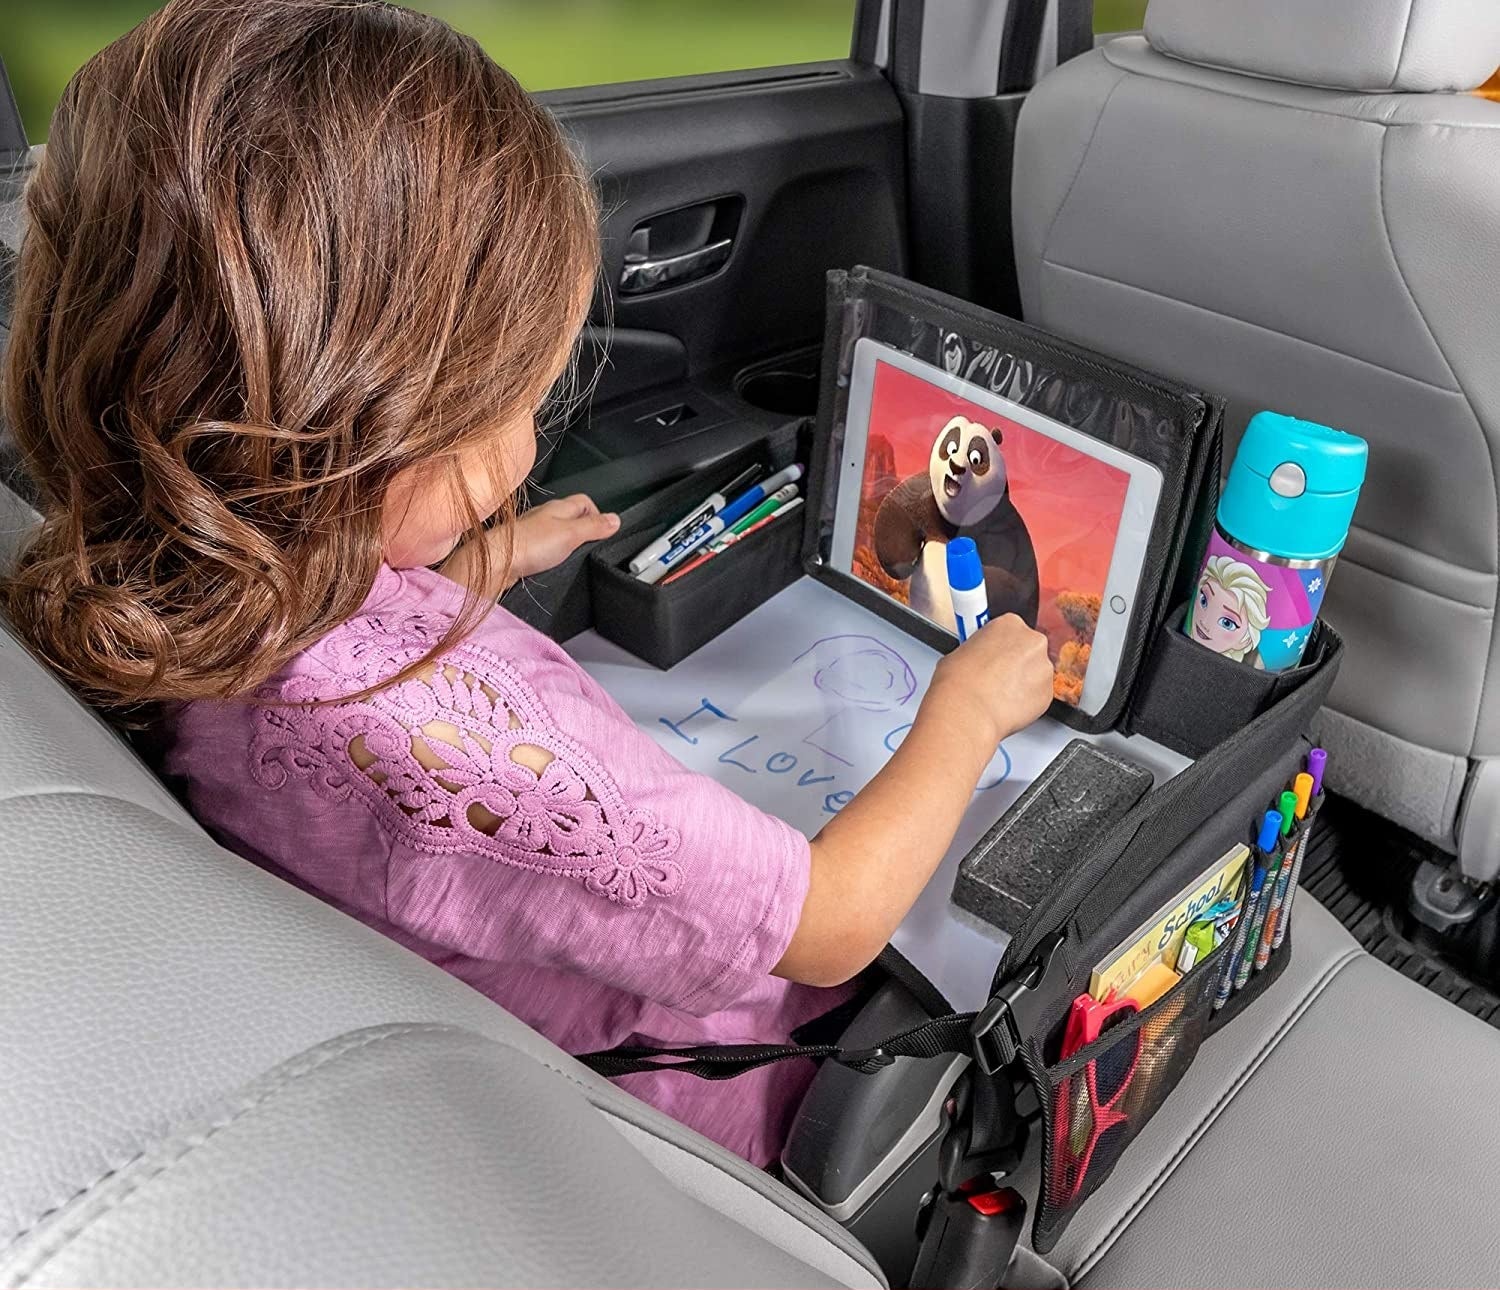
[(1360, 867)]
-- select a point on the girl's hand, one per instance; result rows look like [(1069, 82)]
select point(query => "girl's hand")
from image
[(994, 684), (548, 534), (544, 537)]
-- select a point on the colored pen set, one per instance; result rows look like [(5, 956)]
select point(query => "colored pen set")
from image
[(748, 503), (1272, 886)]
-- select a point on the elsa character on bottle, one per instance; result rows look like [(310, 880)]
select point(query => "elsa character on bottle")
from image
[(1230, 612)]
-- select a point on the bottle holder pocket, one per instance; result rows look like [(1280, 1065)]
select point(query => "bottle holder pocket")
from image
[(1192, 699)]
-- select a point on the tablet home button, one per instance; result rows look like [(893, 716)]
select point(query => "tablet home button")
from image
[(1117, 603)]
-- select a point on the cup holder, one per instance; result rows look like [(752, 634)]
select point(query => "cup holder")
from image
[(786, 386)]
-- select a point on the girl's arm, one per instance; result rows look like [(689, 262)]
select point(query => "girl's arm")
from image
[(872, 860)]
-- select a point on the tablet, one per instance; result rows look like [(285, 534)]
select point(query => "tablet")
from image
[(1062, 520)]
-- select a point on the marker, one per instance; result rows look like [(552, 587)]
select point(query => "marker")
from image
[(971, 605), (1275, 933), (1302, 786), (1317, 763), (729, 539), (1287, 805), (764, 511), (710, 528), (1268, 845), (709, 506), (1226, 981)]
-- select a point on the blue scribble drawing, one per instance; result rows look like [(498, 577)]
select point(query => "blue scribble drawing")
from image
[(867, 675), (676, 727), (894, 737)]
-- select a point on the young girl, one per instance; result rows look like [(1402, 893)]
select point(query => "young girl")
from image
[(298, 275)]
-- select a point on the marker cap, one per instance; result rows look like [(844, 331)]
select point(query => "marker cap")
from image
[(1270, 830), (1317, 763), (965, 570), (1288, 804), (1303, 786)]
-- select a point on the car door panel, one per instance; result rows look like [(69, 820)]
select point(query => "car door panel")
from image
[(802, 169)]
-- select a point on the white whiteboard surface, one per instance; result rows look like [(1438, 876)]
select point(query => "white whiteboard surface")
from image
[(798, 705)]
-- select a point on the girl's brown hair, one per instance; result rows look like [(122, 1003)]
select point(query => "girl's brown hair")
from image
[(278, 252)]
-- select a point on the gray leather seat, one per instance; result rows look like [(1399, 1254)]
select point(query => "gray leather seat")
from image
[(210, 1078), (1295, 205)]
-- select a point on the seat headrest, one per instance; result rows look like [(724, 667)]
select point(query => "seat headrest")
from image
[(1373, 46)]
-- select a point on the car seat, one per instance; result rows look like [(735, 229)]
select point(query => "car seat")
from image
[(1295, 205)]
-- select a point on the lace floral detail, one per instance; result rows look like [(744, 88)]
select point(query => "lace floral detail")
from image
[(568, 819)]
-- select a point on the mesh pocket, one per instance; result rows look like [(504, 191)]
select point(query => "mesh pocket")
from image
[(1097, 1101)]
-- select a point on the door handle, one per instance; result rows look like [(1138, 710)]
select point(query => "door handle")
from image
[(642, 274)]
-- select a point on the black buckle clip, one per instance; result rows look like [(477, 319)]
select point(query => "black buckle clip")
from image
[(865, 1060), (1001, 1026)]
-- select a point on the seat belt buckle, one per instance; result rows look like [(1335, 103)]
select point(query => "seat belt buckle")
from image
[(971, 1237), (1012, 1015)]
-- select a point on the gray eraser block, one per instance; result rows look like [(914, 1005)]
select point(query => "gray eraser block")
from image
[(1083, 792)]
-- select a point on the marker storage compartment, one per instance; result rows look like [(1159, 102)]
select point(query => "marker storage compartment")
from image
[(663, 623)]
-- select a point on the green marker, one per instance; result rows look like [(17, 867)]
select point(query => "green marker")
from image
[(770, 506), (1287, 805)]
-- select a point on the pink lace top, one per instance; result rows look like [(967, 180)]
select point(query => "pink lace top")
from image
[(505, 819)]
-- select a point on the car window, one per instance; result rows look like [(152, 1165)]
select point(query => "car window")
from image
[(548, 44), (1119, 15)]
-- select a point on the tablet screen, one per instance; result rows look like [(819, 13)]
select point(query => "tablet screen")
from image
[(1044, 515)]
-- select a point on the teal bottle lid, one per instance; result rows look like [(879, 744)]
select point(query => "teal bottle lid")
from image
[(1292, 487)]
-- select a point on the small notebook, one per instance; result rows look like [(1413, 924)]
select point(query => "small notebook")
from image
[(1161, 936)]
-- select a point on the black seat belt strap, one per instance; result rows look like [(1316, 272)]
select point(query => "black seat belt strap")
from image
[(950, 1034)]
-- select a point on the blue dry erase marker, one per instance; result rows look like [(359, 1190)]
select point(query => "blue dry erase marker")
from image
[(1269, 845), (706, 509), (971, 605), (712, 527)]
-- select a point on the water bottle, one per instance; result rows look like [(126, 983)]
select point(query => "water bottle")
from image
[(971, 603), (1283, 518)]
